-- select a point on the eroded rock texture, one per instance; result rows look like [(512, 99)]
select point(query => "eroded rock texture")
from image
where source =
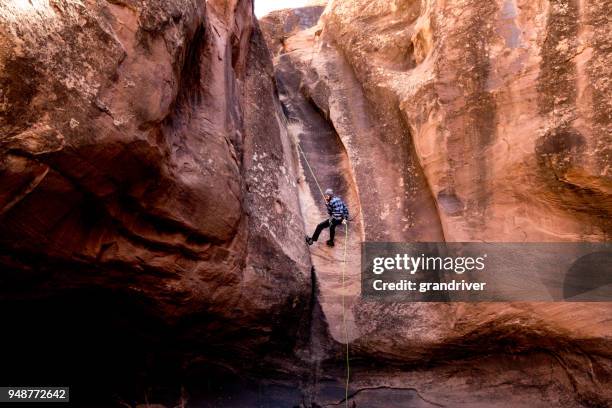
[(153, 204), (148, 196), (278, 26), (457, 121), (503, 104)]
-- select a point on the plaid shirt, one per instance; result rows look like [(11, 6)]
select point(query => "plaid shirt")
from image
[(337, 209)]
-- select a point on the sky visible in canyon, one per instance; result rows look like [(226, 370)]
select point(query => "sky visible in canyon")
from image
[(263, 7)]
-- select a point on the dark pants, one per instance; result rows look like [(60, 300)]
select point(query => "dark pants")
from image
[(327, 224)]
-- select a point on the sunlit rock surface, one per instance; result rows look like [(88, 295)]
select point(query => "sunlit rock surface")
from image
[(505, 107), (460, 121)]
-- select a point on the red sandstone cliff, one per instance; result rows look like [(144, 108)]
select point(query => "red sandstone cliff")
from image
[(458, 121), (144, 159), (153, 204)]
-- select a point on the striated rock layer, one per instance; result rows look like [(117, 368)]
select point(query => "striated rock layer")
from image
[(149, 210), (458, 121)]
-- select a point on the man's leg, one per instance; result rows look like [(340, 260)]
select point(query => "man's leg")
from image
[(332, 229), (320, 228)]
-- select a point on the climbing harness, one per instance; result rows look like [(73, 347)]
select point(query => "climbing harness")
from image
[(346, 337)]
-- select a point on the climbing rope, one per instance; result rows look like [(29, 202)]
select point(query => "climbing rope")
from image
[(310, 168), (346, 337)]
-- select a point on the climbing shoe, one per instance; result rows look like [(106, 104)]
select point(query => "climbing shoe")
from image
[(330, 243), (309, 240)]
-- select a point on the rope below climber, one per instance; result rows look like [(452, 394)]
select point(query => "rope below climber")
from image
[(339, 208), (338, 214)]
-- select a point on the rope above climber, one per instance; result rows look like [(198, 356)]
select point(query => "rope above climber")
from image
[(338, 214)]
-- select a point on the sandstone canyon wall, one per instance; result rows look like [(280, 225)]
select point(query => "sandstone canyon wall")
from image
[(458, 121), (155, 195), (504, 105), (144, 167)]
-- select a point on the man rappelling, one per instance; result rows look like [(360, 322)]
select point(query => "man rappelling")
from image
[(338, 214)]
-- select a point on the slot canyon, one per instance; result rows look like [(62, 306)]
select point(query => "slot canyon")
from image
[(162, 161)]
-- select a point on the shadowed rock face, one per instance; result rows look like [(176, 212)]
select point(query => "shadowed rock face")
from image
[(458, 121), (148, 188)]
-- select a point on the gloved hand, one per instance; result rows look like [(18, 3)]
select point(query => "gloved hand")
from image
[(344, 221)]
